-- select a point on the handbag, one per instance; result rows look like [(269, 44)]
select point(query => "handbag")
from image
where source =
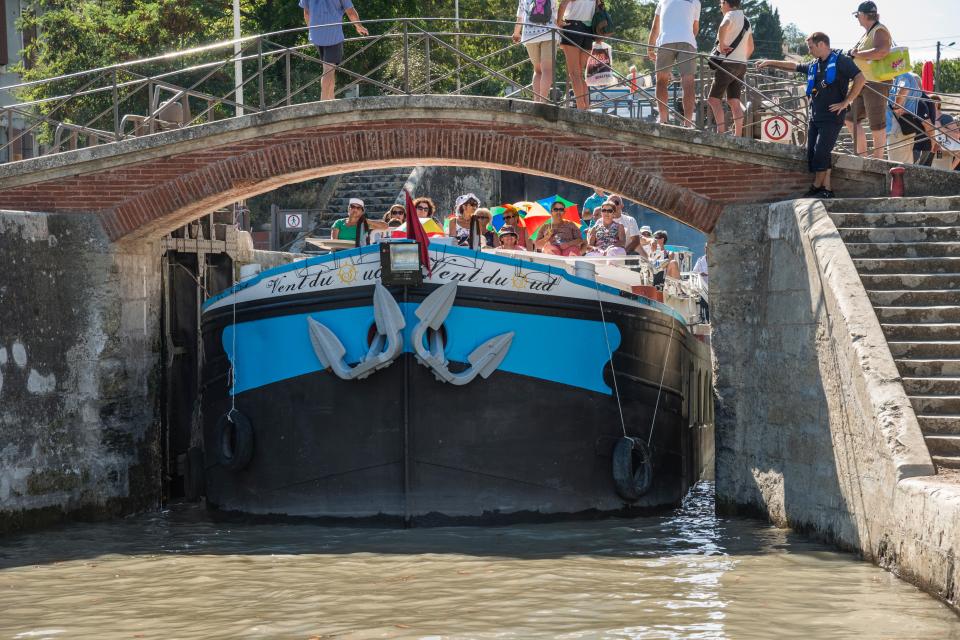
[(717, 58), (602, 24), (891, 65)]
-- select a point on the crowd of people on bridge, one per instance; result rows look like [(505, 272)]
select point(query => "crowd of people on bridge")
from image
[(845, 88), (602, 229)]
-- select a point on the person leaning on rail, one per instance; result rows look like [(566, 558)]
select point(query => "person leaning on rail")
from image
[(828, 87), (329, 39), (673, 43), (872, 103)]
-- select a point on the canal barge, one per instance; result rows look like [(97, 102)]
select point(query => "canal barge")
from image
[(490, 386)]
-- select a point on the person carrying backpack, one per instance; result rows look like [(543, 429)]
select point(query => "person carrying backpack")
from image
[(536, 29), (729, 61)]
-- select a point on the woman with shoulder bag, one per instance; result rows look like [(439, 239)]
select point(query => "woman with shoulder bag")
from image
[(729, 61)]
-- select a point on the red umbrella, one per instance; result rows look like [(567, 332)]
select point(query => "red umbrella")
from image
[(926, 79)]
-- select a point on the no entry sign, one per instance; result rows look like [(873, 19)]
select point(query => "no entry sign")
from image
[(776, 129), (293, 221)]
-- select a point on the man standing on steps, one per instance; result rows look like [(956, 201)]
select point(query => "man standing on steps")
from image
[(673, 43), (872, 104), (329, 39), (828, 86)]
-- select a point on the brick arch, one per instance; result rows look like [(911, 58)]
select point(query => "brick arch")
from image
[(148, 186)]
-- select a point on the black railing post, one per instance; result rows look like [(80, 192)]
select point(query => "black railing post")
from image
[(287, 64), (426, 42), (116, 107), (406, 59)]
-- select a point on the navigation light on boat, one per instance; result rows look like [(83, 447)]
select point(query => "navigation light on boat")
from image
[(400, 263)]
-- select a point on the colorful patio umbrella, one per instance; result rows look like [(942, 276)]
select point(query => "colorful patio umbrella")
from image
[(497, 221), (572, 213), (429, 225)]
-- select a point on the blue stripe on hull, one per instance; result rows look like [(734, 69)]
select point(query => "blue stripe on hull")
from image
[(564, 350)]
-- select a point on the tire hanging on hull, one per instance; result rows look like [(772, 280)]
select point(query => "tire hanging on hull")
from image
[(234, 440), (632, 468)]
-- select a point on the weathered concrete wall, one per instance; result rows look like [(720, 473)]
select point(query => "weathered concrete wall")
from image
[(78, 364), (814, 429), (444, 184)]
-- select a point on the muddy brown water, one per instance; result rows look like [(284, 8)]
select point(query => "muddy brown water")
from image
[(687, 574)]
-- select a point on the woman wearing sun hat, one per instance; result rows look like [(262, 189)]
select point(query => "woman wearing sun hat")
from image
[(465, 206)]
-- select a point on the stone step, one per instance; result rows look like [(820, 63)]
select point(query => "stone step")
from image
[(907, 265), (905, 219), (900, 234), (912, 282), (900, 297), (943, 445), (928, 368), (934, 386), (914, 350), (935, 405), (939, 425), (947, 462), (946, 313), (943, 332), (903, 249)]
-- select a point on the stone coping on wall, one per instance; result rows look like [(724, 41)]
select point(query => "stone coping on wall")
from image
[(461, 108), (885, 398)]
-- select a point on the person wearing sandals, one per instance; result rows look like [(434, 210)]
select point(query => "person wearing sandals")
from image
[(576, 41), (536, 30), (734, 46)]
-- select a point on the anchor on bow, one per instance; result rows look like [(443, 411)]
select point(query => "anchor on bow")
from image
[(387, 345), (484, 360)]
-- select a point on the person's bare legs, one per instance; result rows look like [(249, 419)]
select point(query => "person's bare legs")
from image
[(576, 65), (736, 108), (689, 99), (821, 179), (879, 143), (716, 105), (664, 78), (546, 70), (537, 75), (859, 136), (328, 83)]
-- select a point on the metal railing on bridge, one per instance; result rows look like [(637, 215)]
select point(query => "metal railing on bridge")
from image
[(441, 56)]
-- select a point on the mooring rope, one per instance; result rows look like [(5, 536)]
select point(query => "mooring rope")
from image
[(663, 374), (613, 371)]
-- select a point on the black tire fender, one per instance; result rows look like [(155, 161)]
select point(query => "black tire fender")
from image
[(632, 468), (234, 440)]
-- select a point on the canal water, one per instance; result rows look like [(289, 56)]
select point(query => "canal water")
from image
[(688, 574)]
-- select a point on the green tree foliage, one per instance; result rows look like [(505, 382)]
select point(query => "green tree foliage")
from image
[(949, 80), (764, 19), (795, 40)]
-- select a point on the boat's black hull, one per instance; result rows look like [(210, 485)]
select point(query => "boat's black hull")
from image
[(401, 445)]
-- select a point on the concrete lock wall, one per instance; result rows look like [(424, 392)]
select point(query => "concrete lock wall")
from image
[(814, 429), (79, 349)]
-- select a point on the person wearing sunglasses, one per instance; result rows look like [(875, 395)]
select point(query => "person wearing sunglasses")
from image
[(483, 217), (511, 218), (346, 228), (559, 237), (607, 237), (466, 206), (396, 212)]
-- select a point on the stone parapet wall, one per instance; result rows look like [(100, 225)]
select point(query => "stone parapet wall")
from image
[(814, 429), (79, 329)]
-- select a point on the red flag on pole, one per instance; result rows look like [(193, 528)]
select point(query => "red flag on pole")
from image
[(416, 232), (926, 79)]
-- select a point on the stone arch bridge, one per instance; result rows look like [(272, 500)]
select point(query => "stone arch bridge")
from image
[(145, 187)]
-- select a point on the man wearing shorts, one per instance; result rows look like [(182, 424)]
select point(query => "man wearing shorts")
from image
[(328, 39), (728, 80), (872, 103), (673, 43)]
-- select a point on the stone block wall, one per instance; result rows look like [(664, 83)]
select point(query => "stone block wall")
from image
[(814, 429), (79, 349)]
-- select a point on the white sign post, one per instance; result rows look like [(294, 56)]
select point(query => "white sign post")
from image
[(293, 221), (776, 129)]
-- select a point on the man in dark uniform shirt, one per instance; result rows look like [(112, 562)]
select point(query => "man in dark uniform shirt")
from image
[(828, 86)]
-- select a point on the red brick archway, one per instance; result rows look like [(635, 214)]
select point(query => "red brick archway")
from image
[(151, 185)]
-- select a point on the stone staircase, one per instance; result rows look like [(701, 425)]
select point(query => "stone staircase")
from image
[(378, 188), (909, 263)]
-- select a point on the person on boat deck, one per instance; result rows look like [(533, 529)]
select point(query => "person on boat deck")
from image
[(664, 261), (459, 228), (509, 239), (629, 223), (559, 237), (586, 221), (346, 228), (483, 217), (396, 212), (511, 217), (645, 247), (607, 237), (425, 207)]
